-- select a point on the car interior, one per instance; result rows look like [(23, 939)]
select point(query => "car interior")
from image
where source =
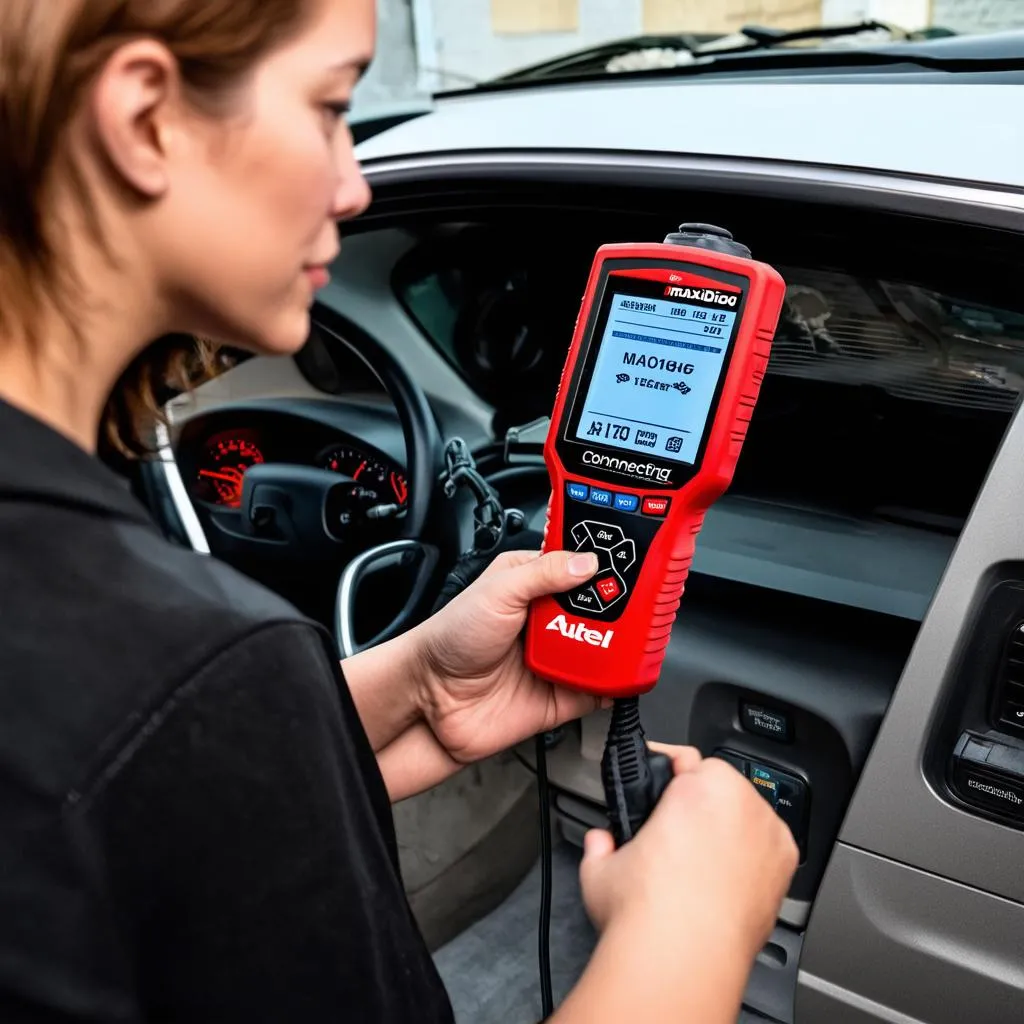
[(895, 372)]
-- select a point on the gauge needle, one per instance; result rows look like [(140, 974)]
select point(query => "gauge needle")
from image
[(401, 491), (232, 476), (355, 475)]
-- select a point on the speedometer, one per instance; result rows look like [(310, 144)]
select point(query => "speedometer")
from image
[(380, 481), (223, 464)]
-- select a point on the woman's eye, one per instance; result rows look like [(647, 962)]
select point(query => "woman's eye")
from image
[(334, 112)]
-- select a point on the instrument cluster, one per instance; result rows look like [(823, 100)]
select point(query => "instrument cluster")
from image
[(224, 457)]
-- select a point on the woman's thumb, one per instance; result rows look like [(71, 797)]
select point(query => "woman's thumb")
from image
[(552, 573), (597, 845)]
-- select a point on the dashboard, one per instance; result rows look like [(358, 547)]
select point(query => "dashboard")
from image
[(223, 458), (216, 450), (295, 528)]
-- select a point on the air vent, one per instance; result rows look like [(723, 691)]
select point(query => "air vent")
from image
[(1010, 692)]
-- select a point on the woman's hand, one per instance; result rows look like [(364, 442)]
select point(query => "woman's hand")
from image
[(685, 906), (478, 696), (710, 824)]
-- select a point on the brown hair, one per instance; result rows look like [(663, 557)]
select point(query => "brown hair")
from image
[(50, 52)]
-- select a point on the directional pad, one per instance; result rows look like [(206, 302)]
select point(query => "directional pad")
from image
[(607, 541), (619, 539)]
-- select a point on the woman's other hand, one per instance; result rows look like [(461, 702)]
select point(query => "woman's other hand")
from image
[(683, 908), (478, 696), (712, 842)]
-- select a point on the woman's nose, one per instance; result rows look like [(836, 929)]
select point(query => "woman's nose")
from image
[(353, 194)]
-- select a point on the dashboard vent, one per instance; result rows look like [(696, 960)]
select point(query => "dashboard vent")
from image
[(912, 342), (1010, 685)]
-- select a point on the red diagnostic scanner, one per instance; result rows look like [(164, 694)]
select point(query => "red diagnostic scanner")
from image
[(667, 358)]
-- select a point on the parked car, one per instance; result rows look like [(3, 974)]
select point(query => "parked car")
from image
[(861, 580)]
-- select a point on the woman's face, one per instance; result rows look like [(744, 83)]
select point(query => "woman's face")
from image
[(247, 225)]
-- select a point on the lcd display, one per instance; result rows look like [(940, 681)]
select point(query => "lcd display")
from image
[(655, 376)]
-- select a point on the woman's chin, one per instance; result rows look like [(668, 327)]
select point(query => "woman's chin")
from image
[(285, 336)]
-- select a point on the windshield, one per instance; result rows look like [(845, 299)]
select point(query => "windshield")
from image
[(430, 46)]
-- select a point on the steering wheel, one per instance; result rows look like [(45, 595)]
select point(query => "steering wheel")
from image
[(428, 535), (296, 511)]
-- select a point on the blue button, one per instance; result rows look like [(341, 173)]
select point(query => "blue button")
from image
[(578, 492), (626, 502), (600, 497)]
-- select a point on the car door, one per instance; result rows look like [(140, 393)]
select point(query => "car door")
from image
[(920, 915)]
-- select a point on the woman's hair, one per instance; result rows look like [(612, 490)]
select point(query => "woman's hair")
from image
[(50, 53)]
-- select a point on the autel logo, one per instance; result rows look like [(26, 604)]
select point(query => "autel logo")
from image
[(701, 295), (581, 632)]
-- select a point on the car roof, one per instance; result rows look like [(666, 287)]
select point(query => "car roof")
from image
[(966, 131)]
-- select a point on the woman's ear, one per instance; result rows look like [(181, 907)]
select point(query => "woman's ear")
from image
[(134, 111)]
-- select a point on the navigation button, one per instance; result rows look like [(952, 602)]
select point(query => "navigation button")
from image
[(626, 502), (655, 506), (585, 599), (623, 555), (578, 492), (599, 497), (605, 535), (580, 534), (609, 589)]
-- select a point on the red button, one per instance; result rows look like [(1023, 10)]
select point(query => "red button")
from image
[(655, 506), (608, 588)]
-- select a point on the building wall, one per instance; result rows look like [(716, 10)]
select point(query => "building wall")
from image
[(466, 44), (909, 14), (393, 74), (467, 47), (441, 44), (978, 15)]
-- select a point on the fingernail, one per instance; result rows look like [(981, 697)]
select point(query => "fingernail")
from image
[(583, 564)]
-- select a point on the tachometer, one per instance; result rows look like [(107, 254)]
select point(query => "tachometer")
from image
[(223, 464), (380, 482)]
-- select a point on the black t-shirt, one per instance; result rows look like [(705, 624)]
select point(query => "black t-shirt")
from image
[(193, 826)]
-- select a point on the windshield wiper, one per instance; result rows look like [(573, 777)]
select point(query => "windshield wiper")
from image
[(595, 59), (676, 50), (762, 37), (929, 51)]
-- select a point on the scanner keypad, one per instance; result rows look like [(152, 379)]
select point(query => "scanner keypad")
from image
[(620, 539)]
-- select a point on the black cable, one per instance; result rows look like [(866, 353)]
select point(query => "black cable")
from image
[(544, 927), (633, 777)]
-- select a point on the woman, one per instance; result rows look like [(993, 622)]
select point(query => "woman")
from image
[(194, 819)]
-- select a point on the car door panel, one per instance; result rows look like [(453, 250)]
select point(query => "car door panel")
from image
[(892, 943), (919, 915)]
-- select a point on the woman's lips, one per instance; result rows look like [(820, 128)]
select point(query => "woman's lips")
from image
[(318, 276)]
